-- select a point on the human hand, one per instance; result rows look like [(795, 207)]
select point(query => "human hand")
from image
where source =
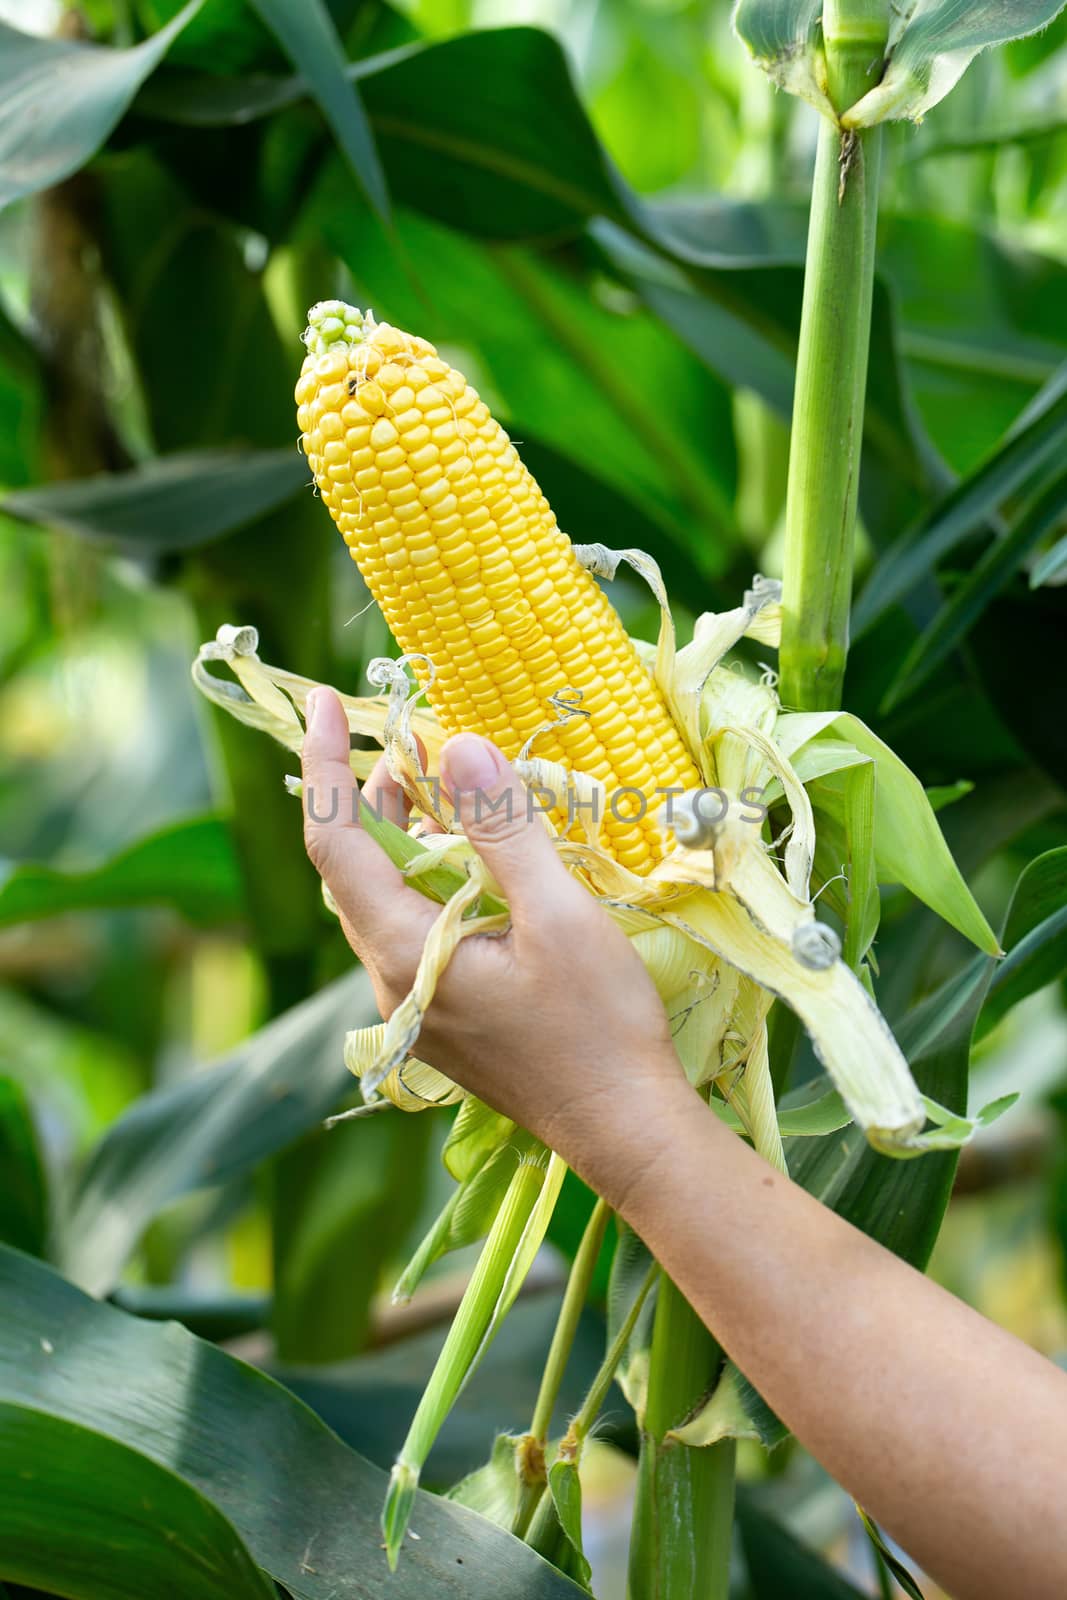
[(555, 1023)]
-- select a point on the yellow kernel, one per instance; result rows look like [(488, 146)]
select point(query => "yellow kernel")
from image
[(407, 513), (383, 434), (435, 492), (447, 526), (330, 398), (372, 399), (334, 364), (390, 340), (365, 360)]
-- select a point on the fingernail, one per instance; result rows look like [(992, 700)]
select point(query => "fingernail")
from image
[(470, 762), (311, 707)]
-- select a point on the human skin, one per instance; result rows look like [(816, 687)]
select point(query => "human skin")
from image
[(950, 1432)]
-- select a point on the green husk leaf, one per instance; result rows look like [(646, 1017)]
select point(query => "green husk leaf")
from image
[(931, 45), (909, 846), (783, 37)]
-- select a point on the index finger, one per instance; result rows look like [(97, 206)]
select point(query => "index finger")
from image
[(367, 888)]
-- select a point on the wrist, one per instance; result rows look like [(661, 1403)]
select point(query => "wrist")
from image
[(618, 1141)]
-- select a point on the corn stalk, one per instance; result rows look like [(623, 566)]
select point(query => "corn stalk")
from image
[(831, 381), (683, 1513), (680, 1546)]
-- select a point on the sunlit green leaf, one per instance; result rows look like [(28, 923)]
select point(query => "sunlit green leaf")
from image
[(24, 1192), (909, 845), (190, 866)]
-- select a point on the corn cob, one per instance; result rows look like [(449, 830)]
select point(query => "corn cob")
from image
[(461, 551)]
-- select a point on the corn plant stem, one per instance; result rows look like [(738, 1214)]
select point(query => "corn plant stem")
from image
[(831, 382), (573, 1301), (461, 1348), (574, 1298), (683, 1515), (541, 1533)]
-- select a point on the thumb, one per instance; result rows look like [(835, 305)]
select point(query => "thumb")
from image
[(500, 822)]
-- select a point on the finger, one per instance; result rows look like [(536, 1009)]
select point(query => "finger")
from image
[(385, 797), (368, 889), (389, 802), (499, 821)]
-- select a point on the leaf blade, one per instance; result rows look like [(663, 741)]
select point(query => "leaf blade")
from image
[(307, 35), (62, 100)]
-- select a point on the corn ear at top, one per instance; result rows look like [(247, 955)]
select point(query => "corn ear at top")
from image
[(473, 575)]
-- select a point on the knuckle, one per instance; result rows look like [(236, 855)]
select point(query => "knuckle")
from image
[(318, 842)]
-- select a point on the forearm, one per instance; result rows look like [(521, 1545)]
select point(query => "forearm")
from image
[(946, 1429)]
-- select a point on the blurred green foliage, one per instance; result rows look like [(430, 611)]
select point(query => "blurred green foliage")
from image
[(602, 219)]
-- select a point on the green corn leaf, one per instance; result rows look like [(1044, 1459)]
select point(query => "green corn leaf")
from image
[(506, 1257), (468, 1214), (809, 1112), (1052, 567), (1035, 936), (1038, 437), (61, 100), (190, 866), (896, 1568), (493, 1488), (475, 1134), (779, 1564), (308, 36), (909, 845), (978, 589), (210, 1128), (784, 38), (943, 795), (931, 45), (178, 502), (629, 1268), (565, 1487), (129, 1526), (340, 1219), (304, 1504), (24, 1192), (864, 908)]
